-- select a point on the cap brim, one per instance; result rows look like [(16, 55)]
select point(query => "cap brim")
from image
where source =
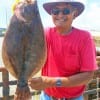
[(79, 6)]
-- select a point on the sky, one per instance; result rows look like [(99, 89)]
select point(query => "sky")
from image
[(89, 19)]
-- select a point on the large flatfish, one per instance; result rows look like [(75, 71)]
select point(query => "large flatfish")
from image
[(24, 50)]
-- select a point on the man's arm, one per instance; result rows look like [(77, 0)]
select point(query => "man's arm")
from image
[(44, 82)]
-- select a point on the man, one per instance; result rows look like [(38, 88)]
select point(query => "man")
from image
[(71, 58)]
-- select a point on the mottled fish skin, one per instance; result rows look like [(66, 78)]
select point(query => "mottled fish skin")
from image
[(24, 50)]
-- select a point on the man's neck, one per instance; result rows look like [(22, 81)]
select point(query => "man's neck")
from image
[(64, 31)]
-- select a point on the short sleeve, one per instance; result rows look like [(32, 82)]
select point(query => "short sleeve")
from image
[(88, 56)]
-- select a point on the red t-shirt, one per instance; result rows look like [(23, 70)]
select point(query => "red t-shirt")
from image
[(68, 55)]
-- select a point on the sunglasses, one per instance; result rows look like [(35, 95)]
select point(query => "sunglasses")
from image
[(64, 11)]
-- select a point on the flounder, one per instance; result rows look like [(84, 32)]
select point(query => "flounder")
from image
[(24, 50)]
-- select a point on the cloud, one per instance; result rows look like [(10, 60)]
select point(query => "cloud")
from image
[(93, 16), (90, 19)]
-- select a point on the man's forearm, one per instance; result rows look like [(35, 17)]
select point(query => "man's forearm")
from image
[(74, 80)]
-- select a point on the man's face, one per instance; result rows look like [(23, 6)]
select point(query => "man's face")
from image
[(63, 15)]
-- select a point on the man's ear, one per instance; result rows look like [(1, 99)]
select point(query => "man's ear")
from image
[(75, 13)]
